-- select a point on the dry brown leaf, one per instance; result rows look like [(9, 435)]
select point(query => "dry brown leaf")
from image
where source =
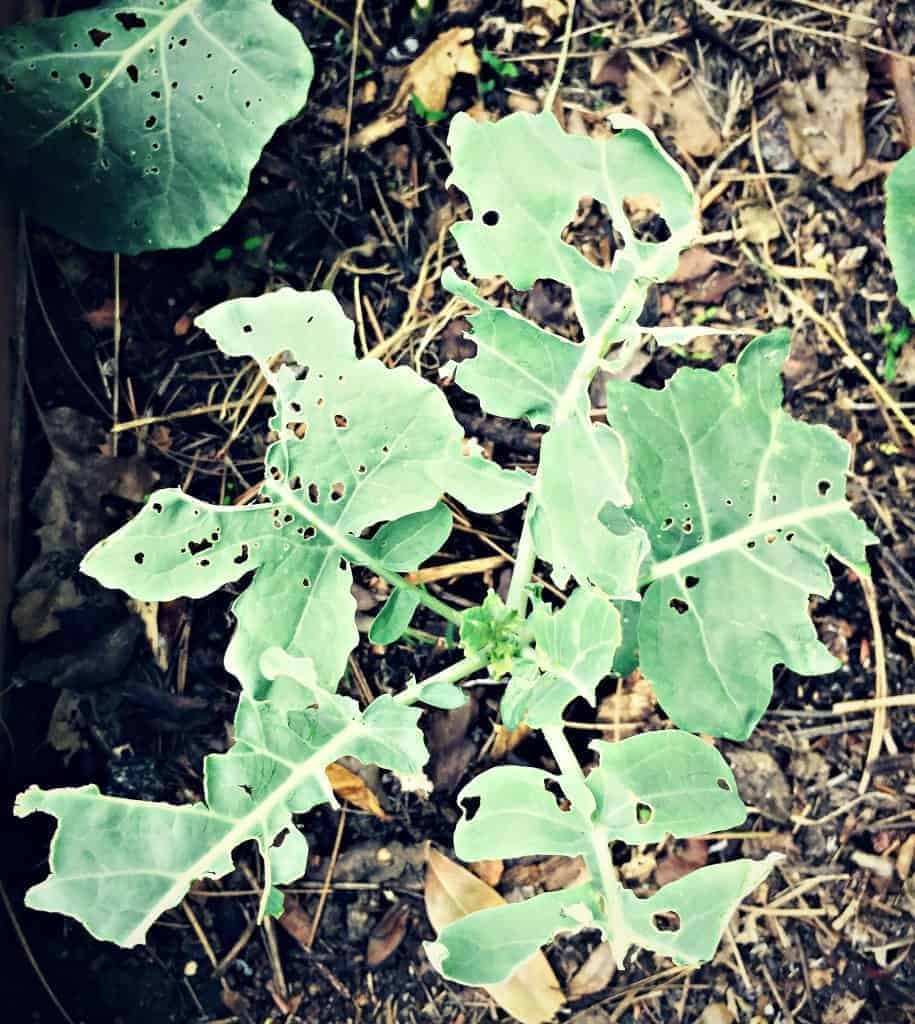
[(630, 703), (295, 920), (714, 288), (490, 871), (532, 994), (609, 68), (761, 782), (693, 855), (349, 787), (546, 875), (506, 740), (429, 78), (543, 18), (67, 725), (387, 935), (716, 1013), (759, 224), (595, 974), (102, 319), (826, 125), (653, 99), (695, 262)]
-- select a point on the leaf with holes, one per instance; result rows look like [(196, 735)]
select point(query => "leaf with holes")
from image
[(275, 769), (131, 127), (900, 226), (358, 444), (642, 789), (741, 505), (573, 651)]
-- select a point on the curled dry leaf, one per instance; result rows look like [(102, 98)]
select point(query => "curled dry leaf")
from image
[(532, 994), (692, 855), (695, 262), (349, 787), (428, 78), (826, 124), (595, 974), (652, 97), (387, 935)]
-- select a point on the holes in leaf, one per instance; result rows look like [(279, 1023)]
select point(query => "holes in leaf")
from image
[(314, 493), (275, 473), (668, 523), (361, 468), (751, 544), (248, 328), (679, 605), (242, 555), (344, 565), (687, 526), (98, 36), (319, 401), (295, 484), (774, 498), (337, 490), (85, 80), (182, 41), (150, 121), (490, 218), (129, 20), (789, 536), (197, 547), (691, 581), (6, 84), (138, 557), (824, 487), (729, 502), (385, 450), (55, 74), (306, 582), (771, 538), (667, 921), (157, 506), (643, 813), (204, 563), (133, 73), (308, 532), (341, 421), (246, 789), (555, 790), (470, 804), (156, 95), (723, 784)]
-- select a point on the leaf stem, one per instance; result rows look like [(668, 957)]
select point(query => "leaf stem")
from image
[(526, 556), (455, 673)]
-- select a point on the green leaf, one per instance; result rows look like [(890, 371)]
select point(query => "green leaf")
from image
[(117, 864), (342, 463), (133, 128), (643, 788), (742, 505), (573, 652), (485, 947), (661, 783), (583, 470), (518, 816), (404, 544), (900, 227), (493, 631), (524, 177), (390, 624), (538, 364)]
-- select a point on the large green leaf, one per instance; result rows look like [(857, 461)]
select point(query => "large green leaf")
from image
[(642, 789), (900, 226), (117, 864), (358, 444), (573, 650), (136, 127), (742, 505), (524, 177)]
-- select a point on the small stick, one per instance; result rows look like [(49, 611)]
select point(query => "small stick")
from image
[(325, 889), (880, 683)]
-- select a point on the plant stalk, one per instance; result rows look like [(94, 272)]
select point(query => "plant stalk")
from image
[(455, 673)]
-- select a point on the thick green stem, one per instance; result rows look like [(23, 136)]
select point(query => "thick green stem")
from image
[(455, 673)]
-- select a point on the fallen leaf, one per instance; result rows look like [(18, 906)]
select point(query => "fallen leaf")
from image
[(695, 262), (65, 730), (295, 920), (349, 787), (759, 224), (653, 99), (102, 319), (714, 288), (505, 740), (387, 935), (429, 79), (68, 504), (490, 871), (843, 1008), (545, 875), (595, 974), (543, 18), (716, 1013), (761, 782), (826, 125), (692, 855), (532, 994), (609, 68)]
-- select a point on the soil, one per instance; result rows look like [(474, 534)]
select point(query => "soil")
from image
[(364, 223)]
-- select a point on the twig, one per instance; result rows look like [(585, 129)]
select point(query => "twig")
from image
[(325, 889), (354, 54), (116, 386), (880, 682), (901, 74), (553, 90)]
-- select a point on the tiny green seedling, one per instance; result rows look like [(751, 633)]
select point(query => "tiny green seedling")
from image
[(690, 531)]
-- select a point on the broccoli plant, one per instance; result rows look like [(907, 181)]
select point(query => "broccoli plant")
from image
[(701, 513), (135, 126)]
